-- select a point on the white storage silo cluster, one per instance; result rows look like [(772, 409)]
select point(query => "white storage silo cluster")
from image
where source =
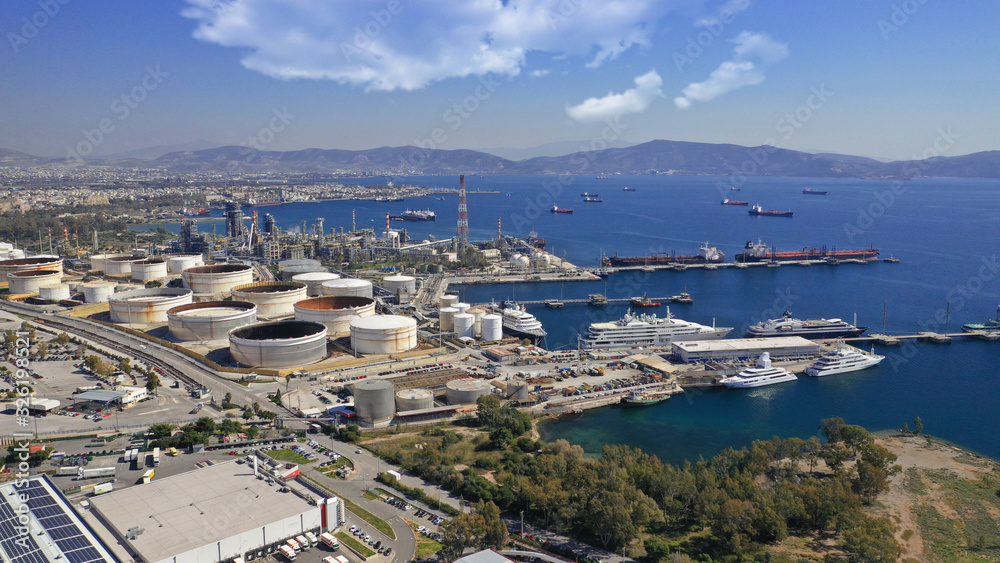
[(56, 292), (209, 320), (98, 292), (147, 306), (217, 279), (177, 263), (99, 261), (399, 284), (120, 265), (383, 334), (477, 320), (53, 263), (448, 300)]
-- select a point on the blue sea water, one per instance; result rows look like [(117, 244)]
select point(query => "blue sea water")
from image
[(944, 232)]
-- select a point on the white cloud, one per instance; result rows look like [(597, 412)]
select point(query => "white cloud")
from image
[(753, 53), (393, 44), (540, 72), (635, 100), (724, 14)]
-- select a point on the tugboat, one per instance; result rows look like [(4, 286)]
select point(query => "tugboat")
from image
[(758, 210), (644, 301), (991, 325), (684, 298)]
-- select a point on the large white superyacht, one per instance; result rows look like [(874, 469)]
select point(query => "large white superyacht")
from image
[(842, 359), (644, 330)]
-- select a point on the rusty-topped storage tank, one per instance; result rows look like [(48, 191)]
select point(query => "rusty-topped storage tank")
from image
[(273, 299), (279, 344), (217, 279), (335, 312), (52, 263), (29, 281), (148, 305), (209, 320)]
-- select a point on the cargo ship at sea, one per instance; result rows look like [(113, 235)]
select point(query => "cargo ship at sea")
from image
[(810, 191), (706, 254), (415, 215), (758, 210), (991, 325), (534, 240), (557, 209), (727, 201), (263, 203), (760, 252)]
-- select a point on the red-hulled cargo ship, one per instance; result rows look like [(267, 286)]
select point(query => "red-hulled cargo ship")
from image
[(557, 209), (758, 210), (705, 254), (760, 252)]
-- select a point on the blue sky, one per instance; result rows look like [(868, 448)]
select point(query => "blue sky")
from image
[(875, 78)]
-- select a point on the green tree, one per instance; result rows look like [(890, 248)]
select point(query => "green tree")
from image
[(125, 365), (464, 530), (905, 429), (871, 540), (494, 529), (227, 401), (230, 426), (832, 428), (80, 351), (92, 362), (247, 414), (192, 438), (277, 396), (205, 425), (161, 430), (350, 433), (152, 382), (253, 432), (657, 549), (154, 283), (918, 426)]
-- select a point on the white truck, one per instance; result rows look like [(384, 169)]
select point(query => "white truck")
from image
[(93, 472), (289, 553), (329, 540), (311, 537), (303, 542)]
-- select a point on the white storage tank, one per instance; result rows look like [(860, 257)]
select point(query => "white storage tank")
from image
[(273, 299), (150, 269), (98, 261), (120, 265), (463, 307), (477, 323), (280, 344), (446, 318), (448, 300), (98, 292), (147, 306), (314, 281), (399, 284), (414, 399), (464, 391), (177, 263), (383, 334), (217, 279), (520, 261), (28, 281), (374, 399), (492, 328), (348, 287), (464, 325), (285, 264), (288, 273), (209, 320), (34, 263), (55, 292), (335, 312)]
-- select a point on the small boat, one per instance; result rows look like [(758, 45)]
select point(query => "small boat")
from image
[(727, 201), (597, 300), (684, 298), (554, 304), (734, 189), (642, 398), (810, 191), (758, 210), (991, 325), (628, 189), (557, 209), (585, 194), (644, 301)]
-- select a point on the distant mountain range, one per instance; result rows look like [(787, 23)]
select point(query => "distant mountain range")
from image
[(654, 157)]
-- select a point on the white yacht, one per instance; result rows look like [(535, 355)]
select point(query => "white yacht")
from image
[(759, 375), (518, 322), (647, 330), (842, 359)]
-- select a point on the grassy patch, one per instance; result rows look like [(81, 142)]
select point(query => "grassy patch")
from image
[(425, 546), (372, 496), (940, 534), (288, 455), (913, 482), (975, 501), (380, 524), (354, 544), (907, 534)]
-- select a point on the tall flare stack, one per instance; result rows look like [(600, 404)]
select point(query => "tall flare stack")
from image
[(463, 215)]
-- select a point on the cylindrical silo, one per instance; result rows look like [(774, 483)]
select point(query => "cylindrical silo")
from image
[(150, 269), (477, 320), (146, 306), (98, 261), (446, 317), (383, 334), (350, 287), (34, 263), (98, 292), (492, 328), (448, 300), (209, 320), (177, 263), (462, 307), (335, 312), (288, 273), (399, 284), (120, 265), (273, 299), (517, 390), (464, 324), (217, 279), (314, 281), (374, 399), (463, 391), (413, 399), (56, 292), (291, 263), (280, 344), (28, 281)]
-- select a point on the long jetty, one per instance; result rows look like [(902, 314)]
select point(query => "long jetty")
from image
[(895, 340)]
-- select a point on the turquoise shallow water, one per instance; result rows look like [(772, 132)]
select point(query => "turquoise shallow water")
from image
[(943, 231)]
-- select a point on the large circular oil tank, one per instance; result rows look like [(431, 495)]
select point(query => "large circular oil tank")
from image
[(34, 263), (463, 391), (446, 318), (448, 300), (374, 399), (98, 292), (291, 263), (492, 328), (120, 265), (273, 300), (413, 399), (147, 306), (149, 269), (280, 344), (55, 292), (209, 320), (177, 263), (464, 324), (98, 261), (217, 279), (517, 390), (383, 334), (399, 284), (290, 272), (28, 281), (314, 281), (351, 287), (335, 312)]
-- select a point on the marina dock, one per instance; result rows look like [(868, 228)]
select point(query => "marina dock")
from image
[(896, 340)]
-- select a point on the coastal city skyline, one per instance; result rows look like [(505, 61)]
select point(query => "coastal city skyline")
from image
[(882, 81)]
